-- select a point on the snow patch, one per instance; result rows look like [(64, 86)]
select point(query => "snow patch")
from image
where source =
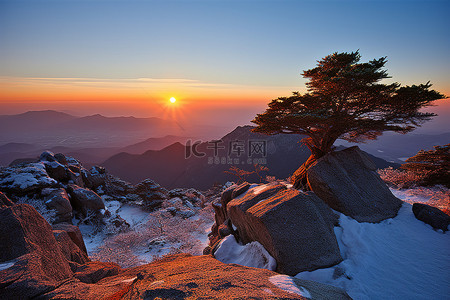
[(250, 255), (286, 283), (6, 265), (399, 258), (129, 280), (260, 188), (23, 178), (133, 215)]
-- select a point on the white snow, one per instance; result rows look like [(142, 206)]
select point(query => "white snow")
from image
[(133, 215), (92, 239), (399, 258), (6, 265), (286, 283), (23, 178), (259, 189), (129, 280), (251, 255)]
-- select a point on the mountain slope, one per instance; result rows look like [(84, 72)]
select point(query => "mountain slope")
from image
[(52, 128), (177, 166)]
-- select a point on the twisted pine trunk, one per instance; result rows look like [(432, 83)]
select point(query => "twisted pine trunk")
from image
[(299, 179)]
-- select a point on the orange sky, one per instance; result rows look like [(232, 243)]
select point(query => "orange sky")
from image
[(142, 97), (197, 102)]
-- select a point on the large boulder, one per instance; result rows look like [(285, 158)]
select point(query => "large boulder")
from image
[(23, 179), (95, 177), (36, 261), (348, 182), (296, 228), (431, 215), (74, 234), (56, 171), (58, 200), (149, 194), (84, 199), (34, 267), (117, 188), (47, 156), (220, 209), (71, 244)]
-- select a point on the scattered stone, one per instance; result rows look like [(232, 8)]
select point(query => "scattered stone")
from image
[(175, 201), (239, 190), (146, 186), (47, 156), (119, 222), (432, 216), (56, 171), (58, 200), (84, 199), (186, 213), (172, 210), (94, 178), (117, 187), (94, 271), (75, 177), (348, 182), (61, 158), (225, 229)]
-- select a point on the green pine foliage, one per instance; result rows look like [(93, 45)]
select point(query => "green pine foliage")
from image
[(346, 100)]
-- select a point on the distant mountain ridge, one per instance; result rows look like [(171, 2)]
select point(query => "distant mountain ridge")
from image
[(89, 156), (52, 128), (177, 166), (395, 147)]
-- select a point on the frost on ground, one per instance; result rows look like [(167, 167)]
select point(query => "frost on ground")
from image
[(48, 214), (27, 177), (437, 196), (250, 255), (399, 258), (286, 283), (150, 235)]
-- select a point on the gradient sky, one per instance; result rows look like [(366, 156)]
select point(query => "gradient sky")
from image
[(223, 60)]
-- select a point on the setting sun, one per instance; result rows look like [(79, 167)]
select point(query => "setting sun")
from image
[(172, 100)]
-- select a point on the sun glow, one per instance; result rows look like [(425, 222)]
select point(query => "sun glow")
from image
[(172, 100)]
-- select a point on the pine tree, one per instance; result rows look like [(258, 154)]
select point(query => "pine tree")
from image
[(345, 100)]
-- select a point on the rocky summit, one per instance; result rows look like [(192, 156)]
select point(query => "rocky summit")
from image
[(38, 261), (267, 240)]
